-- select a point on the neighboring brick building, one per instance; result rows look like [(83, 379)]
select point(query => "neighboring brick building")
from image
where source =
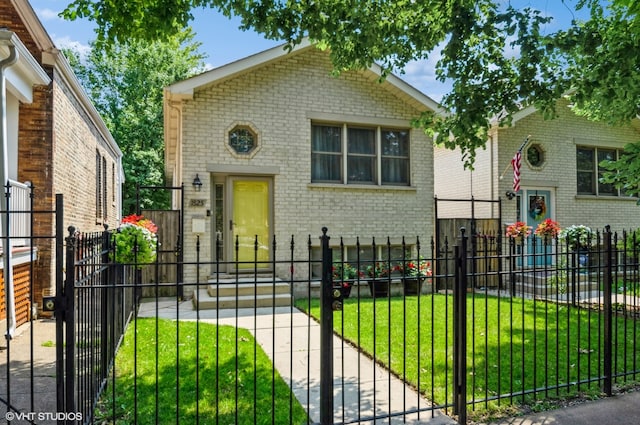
[(267, 137), (559, 173), (63, 146)]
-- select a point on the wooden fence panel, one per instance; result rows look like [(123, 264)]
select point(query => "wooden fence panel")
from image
[(448, 237), (166, 274)]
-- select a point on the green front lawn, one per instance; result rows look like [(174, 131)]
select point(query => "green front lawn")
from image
[(514, 345), (230, 390)]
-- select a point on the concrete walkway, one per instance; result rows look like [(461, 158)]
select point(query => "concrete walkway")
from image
[(30, 385), (292, 341), (623, 409)]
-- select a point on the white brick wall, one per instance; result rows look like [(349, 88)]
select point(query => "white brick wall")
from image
[(278, 100), (558, 138)]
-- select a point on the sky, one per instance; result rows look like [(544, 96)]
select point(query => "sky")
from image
[(223, 42)]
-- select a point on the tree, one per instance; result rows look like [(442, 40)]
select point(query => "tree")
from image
[(125, 83), (625, 172), (496, 56)]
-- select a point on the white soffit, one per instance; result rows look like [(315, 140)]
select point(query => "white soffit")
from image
[(25, 73)]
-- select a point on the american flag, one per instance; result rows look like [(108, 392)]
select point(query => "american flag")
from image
[(516, 162)]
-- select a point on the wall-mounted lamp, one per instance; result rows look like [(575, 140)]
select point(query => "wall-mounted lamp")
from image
[(197, 184)]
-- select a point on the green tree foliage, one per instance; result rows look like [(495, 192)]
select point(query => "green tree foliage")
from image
[(125, 83), (497, 56), (625, 172)]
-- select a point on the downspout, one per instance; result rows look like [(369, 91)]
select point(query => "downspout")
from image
[(4, 213)]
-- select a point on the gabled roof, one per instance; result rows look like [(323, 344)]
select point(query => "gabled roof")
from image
[(529, 110), (185, 89)]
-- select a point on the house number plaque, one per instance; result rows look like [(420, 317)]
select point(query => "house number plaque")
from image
[(197, 202)]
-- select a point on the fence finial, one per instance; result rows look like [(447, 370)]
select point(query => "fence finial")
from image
[(71, 230)]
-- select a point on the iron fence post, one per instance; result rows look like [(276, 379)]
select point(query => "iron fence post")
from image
[(104, 298), (69, 318), (58, 306), (326, 334), (608, 312), (460, 331)]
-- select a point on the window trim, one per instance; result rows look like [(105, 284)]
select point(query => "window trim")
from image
[(247, 126), (344, 155), (596, 172)]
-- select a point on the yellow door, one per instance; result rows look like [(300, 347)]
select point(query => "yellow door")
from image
[(251, 222)]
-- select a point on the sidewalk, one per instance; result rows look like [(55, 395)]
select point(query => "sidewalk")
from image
[(622, 409), (31, 390)]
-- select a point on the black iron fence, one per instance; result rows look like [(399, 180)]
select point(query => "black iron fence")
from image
[(96, 305), (334, 333)]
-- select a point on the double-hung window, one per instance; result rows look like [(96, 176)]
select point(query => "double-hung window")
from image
[(351, 154), (589, 170)]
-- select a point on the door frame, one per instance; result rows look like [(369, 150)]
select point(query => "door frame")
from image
[(228, 248), (524, 215)]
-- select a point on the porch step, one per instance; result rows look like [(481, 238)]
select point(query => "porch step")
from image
[(229, 293), (540, 285)]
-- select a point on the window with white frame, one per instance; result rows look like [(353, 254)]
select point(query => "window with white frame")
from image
[(589, 170), (351, 154)]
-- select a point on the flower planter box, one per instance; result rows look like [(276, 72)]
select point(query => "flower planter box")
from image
[(379, 288), (412, 285)]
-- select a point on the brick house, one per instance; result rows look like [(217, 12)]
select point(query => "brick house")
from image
[(59, 143), (283, 148), (559, 172)]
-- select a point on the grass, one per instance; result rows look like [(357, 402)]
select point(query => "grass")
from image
[(628, 287), (242, 389), (514, 346)]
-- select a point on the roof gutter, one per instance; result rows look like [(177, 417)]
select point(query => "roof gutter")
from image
[(10, 304)]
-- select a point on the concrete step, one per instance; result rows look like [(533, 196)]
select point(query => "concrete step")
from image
[(541, 285), (204, 301), (230, 292), (232, 289)]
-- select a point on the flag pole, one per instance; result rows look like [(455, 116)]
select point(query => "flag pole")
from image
[(526, 140)]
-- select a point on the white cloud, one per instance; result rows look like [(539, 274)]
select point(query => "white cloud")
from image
[(68, 43), (47, 14), (421, 74)]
